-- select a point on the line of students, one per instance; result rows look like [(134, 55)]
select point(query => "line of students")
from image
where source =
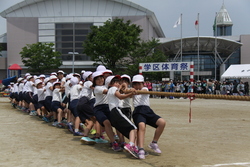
[(98, 102)]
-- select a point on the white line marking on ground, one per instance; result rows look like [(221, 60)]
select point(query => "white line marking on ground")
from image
[(229, 164)]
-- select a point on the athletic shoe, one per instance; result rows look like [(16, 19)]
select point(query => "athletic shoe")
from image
[(40, 116), (154, 146), (45, 119), (92, 131), (78, 134), (116, 138), (116, 147), (122, 144), (33, 112), (87, 140), (131, 150), (100, 140), (70, 127), (60, 125), (55, 123), (141, 154)]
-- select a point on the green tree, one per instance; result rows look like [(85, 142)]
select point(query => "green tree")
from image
[(40, 57), (144, 53), (111, 43)]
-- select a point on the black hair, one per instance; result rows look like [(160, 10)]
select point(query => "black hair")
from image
[(126, 79), (114, 80)]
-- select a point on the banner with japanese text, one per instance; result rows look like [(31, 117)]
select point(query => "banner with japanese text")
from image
[(164, 66)]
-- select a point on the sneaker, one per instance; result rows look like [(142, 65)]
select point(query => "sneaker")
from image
[(92, 131), (122, 144), (131, 150), (100, 140), (70, 127), (116, 138), (45, 119), (60, 125), (33, 113), (55, 123), (154, 146), (116, 147), (141, 154), (87, 140), (78, 134)]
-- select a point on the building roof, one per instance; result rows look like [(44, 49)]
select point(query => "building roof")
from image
[(59, 8), (223, 17), (206, 44)]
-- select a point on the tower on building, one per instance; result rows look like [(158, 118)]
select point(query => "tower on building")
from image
[(222, 23)]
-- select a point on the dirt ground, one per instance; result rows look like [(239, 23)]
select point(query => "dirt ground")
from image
[(219, 135)]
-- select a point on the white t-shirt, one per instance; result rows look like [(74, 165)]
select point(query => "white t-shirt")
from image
[(41, 94), (125, 103), (25, 86), (86, 90), (30, 87), (142, 99), (15, 88), (113, 101), (75, 91), (56, 95), (67, 88), (99, 96), (48, 91), (20, 87)]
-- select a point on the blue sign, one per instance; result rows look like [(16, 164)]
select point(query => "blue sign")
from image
[(165, 66)]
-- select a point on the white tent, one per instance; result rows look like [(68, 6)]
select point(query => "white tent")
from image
[(237, 71)]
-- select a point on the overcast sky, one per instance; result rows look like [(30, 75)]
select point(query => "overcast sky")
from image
[(168, 11)]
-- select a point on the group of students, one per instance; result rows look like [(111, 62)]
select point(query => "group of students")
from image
[(99, 100)]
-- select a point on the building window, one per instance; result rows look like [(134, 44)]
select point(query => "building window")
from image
[(70, 37)]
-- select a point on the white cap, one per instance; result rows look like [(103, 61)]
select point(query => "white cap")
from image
[(97, 74), (19, 79), (101, 68), (107, 71), (76, 74), (60, 71), (36, 77), (53, 73), (27, 74), (109, 79), (38, 81), (126, 76), (12, 83), (86, 74), (83, 71), (52, 77), (28, 77), (81, 83), (138, 78), (46, 79), (42, 76), (56, 83), (74, 81), (69, 76)]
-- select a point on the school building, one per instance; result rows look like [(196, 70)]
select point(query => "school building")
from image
[(67, 23)]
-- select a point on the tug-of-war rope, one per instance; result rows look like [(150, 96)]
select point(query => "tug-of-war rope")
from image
[(192, 96)]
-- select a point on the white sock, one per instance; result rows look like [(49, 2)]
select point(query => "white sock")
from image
[(76, 130)]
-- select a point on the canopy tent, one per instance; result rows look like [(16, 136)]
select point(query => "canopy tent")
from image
[(237, 71), (14, 67)]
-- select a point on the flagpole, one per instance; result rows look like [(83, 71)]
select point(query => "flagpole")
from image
[(198, 73), (215, 46), (181, 43)]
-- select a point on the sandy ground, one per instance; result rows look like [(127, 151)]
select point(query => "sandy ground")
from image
[(219, 135)]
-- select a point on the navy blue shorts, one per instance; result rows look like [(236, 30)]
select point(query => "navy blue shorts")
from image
[(102, 113), (41, 104), (145, 114), (127, 112), (85, 109), (35, 101), (29, 97), (55, 105), (48, 101), (73, 107), (20, 96)]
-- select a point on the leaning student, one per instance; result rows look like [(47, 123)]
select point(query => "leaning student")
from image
[(117, 118), (143, 115)]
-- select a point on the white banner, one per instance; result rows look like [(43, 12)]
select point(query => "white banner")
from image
[(164, 66)]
